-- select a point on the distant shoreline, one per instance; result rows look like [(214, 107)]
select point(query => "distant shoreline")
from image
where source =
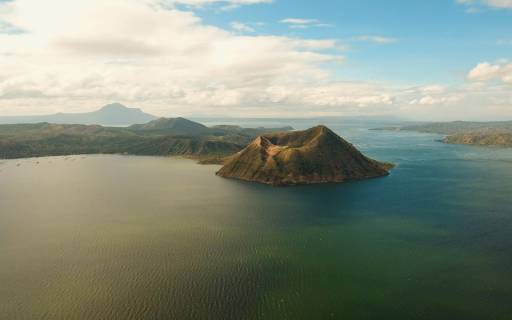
[(489, 134)]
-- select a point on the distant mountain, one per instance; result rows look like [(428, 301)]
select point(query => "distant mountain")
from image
[(174, 126), (114, 114), (316, 155)]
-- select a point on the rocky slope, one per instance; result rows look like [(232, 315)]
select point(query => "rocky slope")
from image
[(316, 155)]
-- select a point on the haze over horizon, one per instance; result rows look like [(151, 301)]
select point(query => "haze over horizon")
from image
[(435, 60)]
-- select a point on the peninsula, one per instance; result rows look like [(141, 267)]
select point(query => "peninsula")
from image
[(497, 133)]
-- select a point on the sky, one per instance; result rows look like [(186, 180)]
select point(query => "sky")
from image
[(416, 59)]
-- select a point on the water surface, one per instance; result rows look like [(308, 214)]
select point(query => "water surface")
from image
[(119, 237)]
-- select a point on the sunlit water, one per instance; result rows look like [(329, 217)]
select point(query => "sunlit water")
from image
[(118, 237)]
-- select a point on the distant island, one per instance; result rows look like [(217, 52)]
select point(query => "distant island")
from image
[(313, 156), (160, 137), (498, 133), (114, 114)]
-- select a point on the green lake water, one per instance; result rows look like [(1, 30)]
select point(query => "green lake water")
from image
[(120, 237)]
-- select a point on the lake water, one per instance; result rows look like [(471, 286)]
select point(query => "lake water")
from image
[(119, 237)]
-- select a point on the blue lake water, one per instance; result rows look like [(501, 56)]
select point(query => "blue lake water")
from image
[(120, 237)]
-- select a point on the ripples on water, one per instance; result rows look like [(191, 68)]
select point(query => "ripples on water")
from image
[(115, 237)]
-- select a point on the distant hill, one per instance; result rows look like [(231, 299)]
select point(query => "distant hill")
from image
[(175, 126), (161, 137), (458, 127), (226, 129), (182, 126), (497, 133), (114, 114), (481, 139), (316, 155)]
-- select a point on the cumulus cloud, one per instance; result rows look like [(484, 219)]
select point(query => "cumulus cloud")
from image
[(486, 71), (433, 95), (160, 56), (143, 53), (472, 101)]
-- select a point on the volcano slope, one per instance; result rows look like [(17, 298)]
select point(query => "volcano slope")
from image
[(317, 155)]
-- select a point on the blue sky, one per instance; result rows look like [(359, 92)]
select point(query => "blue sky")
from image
[(436, 40), (416, 59)]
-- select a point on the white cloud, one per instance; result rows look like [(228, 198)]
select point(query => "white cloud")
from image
[(433, 100), (507, 4), (376, 39), (486, 71), (163, 58), (433, 95), (474, 101), (199, 3), (166, 60), (242, 27), (300, 23), (474, 5)]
